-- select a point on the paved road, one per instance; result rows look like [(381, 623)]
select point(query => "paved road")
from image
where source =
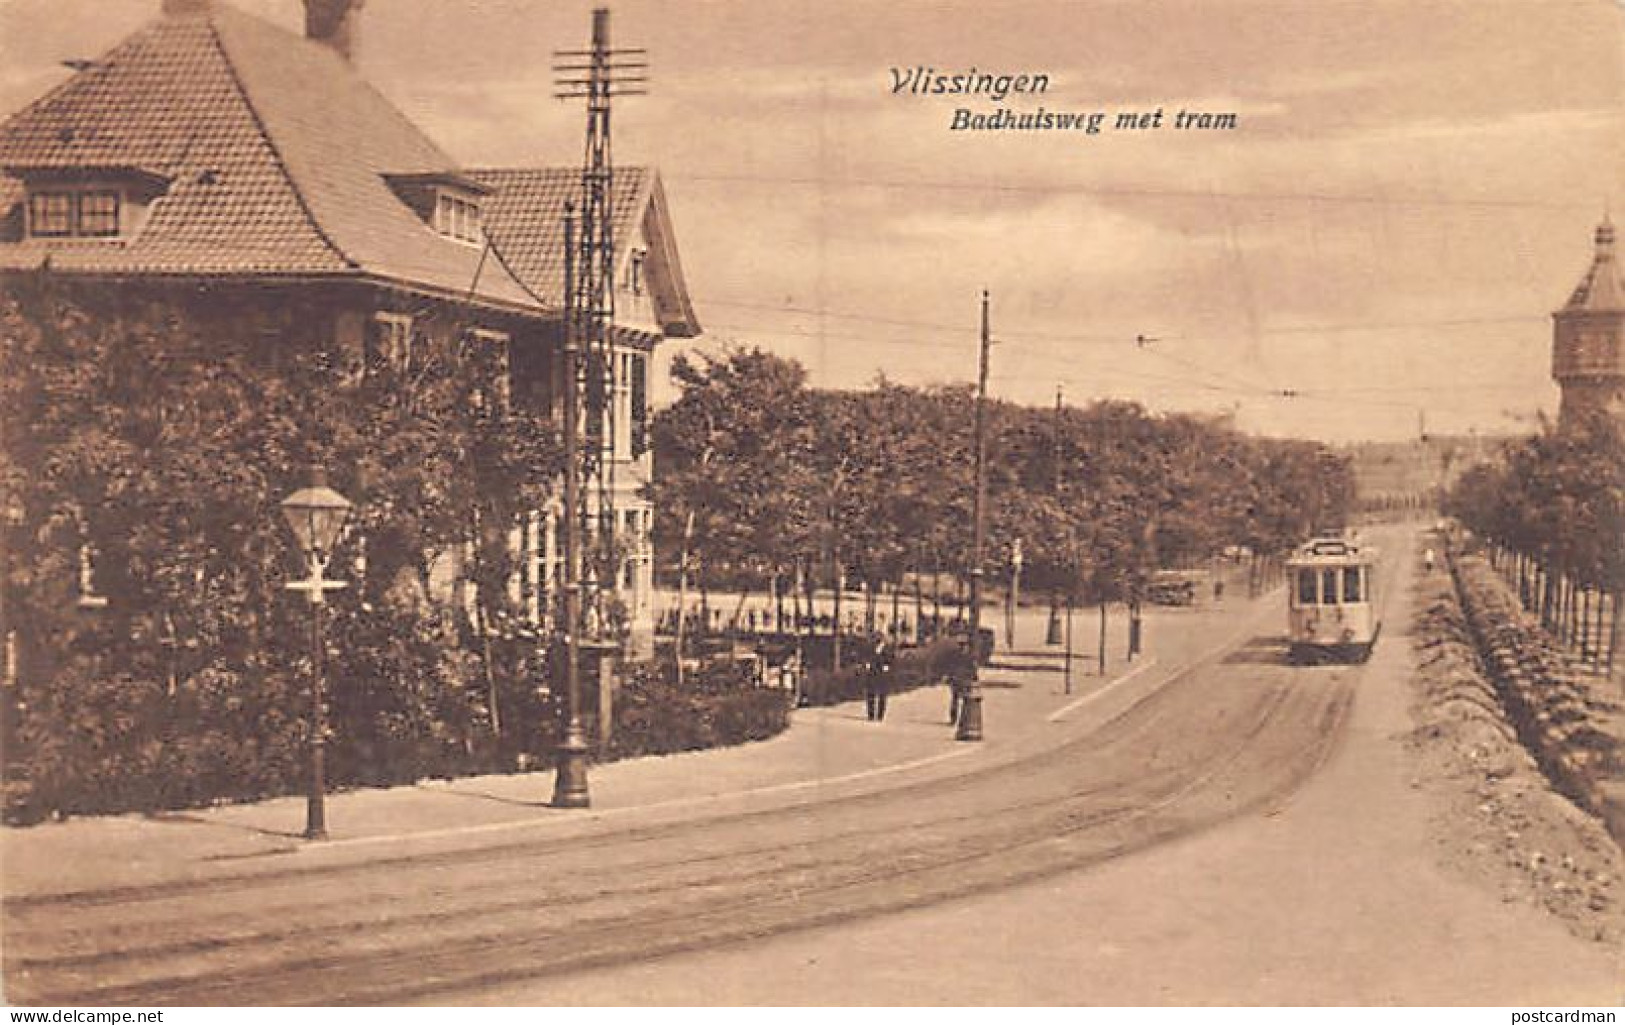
[(1235, 735)]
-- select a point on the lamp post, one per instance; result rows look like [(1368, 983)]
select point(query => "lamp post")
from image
[(570, 773), (316, 514), (1013, 598)]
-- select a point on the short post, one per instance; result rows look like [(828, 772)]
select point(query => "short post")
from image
[(1069, 644)]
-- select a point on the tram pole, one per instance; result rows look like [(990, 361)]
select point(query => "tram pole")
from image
[(970, 709)]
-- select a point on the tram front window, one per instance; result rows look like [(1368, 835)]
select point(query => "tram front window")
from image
[(1351, 585), (1328, 586), (1306, 587)]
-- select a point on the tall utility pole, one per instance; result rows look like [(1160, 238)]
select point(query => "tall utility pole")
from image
[(1055, 600), (970, 709), (1052, 634), (589, 378), (597, 75)]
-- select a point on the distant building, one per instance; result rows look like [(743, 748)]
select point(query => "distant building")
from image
[(1588, 338)]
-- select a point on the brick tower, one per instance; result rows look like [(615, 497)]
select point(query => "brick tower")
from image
[(1588, 338)]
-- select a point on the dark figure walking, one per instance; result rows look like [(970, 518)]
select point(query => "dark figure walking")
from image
[(877, 681)]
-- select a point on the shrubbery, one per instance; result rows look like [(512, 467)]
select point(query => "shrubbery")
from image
[(715, 707), (160, 661), (925, 666)]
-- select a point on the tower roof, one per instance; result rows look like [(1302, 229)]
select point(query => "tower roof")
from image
[(1602, 287)]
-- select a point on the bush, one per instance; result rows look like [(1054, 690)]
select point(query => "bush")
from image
[(717, 706), (924, 666)]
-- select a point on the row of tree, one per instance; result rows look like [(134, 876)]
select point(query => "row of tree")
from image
[(161, 662), (762, 479), (1558, 497), (1552, 507)]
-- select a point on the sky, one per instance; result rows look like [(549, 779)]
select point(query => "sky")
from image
[(1377, 246)]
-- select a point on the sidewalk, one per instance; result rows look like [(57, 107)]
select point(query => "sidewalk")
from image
[(827, 753)]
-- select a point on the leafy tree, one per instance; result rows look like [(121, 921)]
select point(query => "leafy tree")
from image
[(163, 661)]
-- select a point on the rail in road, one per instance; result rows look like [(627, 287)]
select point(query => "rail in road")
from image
[(1231, 735)]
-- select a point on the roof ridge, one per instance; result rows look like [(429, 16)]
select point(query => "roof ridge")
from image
[(270, 140)]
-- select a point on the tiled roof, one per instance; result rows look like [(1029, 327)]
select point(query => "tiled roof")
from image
[(166, 100), (275, 150), (524, 217), (1602, 287)]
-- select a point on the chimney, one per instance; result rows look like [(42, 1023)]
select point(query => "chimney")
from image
[(336, 23), (178, 8)]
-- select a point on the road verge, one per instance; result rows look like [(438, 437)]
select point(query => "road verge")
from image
[(1491, 747)]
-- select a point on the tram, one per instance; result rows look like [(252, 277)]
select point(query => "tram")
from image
[(1332, 602)]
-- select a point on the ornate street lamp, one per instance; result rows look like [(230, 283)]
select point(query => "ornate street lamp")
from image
[(570, 757), (316, 514)]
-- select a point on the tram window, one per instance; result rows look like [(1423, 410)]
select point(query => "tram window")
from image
[(1351, 584), (1328, 587), (1306, 587)]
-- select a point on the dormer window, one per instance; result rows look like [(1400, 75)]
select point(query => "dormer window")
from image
[(457, 217), (87, 202), (447, 201), (74, 213)]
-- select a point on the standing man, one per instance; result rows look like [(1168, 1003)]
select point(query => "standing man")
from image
[(877, 680)]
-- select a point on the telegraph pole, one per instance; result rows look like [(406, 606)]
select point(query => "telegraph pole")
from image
[(1056, 598), (597, 75), (970, 709), (1052, 634)]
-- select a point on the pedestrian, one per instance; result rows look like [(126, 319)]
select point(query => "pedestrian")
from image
[(1427, 560), (961, 668), (877, 680)]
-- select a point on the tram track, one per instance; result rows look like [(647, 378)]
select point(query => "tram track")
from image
[(1196, 751)]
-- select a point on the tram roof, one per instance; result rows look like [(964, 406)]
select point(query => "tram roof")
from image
[(1331, 551)]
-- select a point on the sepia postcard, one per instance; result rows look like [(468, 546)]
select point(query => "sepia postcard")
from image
[(878, 503)]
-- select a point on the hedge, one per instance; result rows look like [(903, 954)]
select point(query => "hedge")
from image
[(717, 706), (924, 666), (228, 736)]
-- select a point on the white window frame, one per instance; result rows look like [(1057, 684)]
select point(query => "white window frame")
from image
[(457, 218), (394, 338), (634, 271), (622, 398)]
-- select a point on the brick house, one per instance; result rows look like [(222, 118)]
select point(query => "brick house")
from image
[(221, 169)]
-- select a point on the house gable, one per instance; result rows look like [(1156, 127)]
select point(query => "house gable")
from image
[(525, 222)]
